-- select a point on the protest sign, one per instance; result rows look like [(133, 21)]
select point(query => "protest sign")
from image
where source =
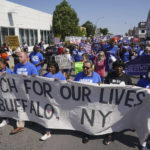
[(138, 66), (56, 40), (12, 41), (73, 39), (78, 67), (96, 47), (89, 108), (63, 61), (87, 48)]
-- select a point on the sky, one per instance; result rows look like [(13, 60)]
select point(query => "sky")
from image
[(117, 15)]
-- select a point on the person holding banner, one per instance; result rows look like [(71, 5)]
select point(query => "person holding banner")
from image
[(88, 76), (24, 68), (52, 72), (145, 83), (4, 70), (117, 76)]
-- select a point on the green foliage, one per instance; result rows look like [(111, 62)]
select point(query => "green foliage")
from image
[(104, 31), (90, 28), (65, 21)]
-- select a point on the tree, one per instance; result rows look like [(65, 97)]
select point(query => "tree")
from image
[(104, 31), (65, 21), (90, 28)]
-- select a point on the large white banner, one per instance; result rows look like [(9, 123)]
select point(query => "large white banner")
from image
[(88, 108)]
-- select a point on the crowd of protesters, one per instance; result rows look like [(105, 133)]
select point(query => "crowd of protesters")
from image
[(103, 63)]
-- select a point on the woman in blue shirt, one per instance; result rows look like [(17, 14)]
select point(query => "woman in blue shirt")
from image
[(4, 70), (145, 82), (52, 72)]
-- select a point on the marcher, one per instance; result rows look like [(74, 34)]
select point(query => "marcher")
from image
[(88, 76), (37, 58), (24, 68), (145, 83), (41, 44), (15, 56), (52, 72), (4, 70), (99, 64), (117, 76), (146, 51), (4, 55), (67, 72), (49, 55), (25, 47)]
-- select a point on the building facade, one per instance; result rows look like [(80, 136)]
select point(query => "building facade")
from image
[(141, 30), (148, 26), (31, 26)]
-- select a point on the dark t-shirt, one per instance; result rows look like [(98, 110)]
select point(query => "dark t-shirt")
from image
[(114, 79)]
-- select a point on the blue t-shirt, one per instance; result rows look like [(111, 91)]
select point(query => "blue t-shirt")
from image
[(126, 56), (8, 71), (36, 58), (58, 75), (141, 52), (113, 50), (144, 82), (144, 54), (78, 55), (95, 78), (27, 69)]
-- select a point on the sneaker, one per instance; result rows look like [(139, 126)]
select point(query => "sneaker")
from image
[(85, 139), (17, 130), (4, 123), (107, 140), (45, 137)]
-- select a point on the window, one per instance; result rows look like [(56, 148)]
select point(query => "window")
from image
[(21, 36), (35, 37), (31, 38), (4, 32), (27, 36), (142, 31), (48, 36), (45, 37), (11, 31), (41, 33)]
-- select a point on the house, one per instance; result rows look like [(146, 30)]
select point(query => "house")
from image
[(140, 31), (148, 26)]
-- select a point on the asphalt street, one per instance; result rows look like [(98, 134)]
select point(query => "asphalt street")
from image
[(61, 140)]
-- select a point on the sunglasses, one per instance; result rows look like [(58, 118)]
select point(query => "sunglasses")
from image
[(84, 67)]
